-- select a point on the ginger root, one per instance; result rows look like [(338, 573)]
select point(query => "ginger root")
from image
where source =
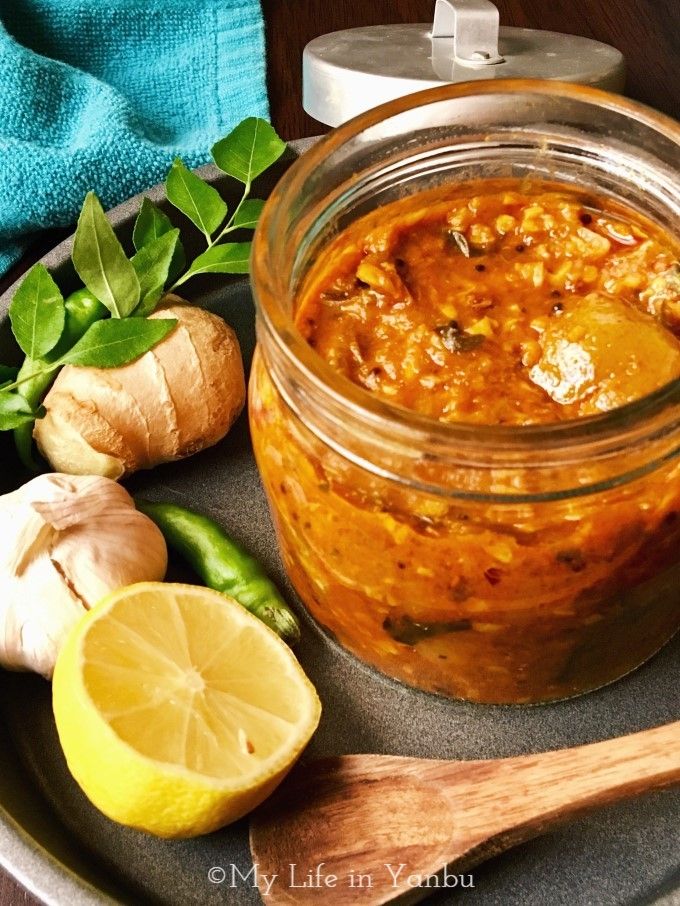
[(177, 399)]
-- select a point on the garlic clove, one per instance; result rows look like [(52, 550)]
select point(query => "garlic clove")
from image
[(36, 613), (32, 536), (122, 550), (67, 501), (65, 542)]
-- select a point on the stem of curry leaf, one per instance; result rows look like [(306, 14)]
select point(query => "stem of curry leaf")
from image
[(31, 376), (183, 279), (229, 224), (228, 228)]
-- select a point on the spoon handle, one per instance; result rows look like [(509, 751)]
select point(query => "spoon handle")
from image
[(552, 786)]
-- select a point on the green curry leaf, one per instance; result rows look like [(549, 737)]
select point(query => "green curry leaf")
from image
[(152, 264), (37, 313), (249, 149), (45, 325), (248, 213), (228, 258), (14, 411), (111, 343), (201, 203), (151, 223), (101, 263)]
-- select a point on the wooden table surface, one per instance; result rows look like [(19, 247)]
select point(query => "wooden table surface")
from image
[(647, 32)]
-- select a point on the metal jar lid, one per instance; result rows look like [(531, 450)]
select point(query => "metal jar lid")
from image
[(347, 72)]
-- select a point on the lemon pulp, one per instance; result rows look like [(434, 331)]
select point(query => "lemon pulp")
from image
[(177, 710)]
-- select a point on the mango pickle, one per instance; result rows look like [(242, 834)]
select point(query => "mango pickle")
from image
[(493, 304)]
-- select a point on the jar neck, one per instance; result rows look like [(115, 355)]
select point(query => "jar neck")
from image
[(479, 462)]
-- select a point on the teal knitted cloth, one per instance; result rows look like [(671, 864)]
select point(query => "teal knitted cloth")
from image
[(103, 94)]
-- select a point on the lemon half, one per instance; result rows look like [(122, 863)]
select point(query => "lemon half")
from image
[(178, 711)]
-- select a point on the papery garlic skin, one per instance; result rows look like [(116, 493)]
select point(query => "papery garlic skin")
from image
[(65, 542)]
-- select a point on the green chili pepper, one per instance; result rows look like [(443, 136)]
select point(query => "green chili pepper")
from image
[(222, 564), (82, 310)]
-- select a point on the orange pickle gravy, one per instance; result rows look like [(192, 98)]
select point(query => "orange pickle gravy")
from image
[(463, 310), (496, 303)]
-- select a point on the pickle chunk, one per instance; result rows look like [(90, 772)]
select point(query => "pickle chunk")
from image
[(603, 353)]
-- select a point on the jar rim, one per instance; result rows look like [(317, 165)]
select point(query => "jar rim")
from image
[(660, 406)]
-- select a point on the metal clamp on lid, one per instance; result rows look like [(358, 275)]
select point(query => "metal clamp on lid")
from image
[(473, 26)]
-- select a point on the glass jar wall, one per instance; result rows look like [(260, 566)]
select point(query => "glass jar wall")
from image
[(497, 564)]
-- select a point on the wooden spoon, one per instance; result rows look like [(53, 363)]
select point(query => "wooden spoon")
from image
[(337, 819)]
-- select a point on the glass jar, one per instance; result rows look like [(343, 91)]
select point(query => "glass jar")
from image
[(495, 564)]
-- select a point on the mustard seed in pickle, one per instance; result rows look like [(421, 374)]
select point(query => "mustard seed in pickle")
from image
[(496, 304)]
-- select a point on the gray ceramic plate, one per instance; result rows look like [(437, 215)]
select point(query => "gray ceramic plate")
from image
[(57, 844)]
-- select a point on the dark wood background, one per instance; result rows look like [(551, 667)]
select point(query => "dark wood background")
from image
[(647, 32)]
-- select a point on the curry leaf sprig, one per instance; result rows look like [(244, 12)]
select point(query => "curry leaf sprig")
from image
[(104, 324), (244, 154)]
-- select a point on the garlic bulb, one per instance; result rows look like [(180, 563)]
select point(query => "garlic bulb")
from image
[(65, 542)]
